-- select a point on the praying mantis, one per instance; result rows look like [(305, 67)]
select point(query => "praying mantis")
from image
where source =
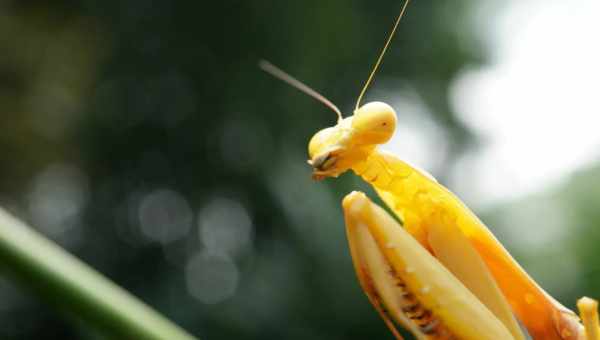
[(442, 274)]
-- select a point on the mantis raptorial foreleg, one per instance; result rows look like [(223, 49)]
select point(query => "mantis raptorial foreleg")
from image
[(417, 291)]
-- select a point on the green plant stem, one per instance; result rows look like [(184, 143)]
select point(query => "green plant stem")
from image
[(73, 285)]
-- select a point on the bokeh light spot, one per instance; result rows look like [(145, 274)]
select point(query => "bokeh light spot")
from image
[(165, 216), (56, 199), (224, 226), (211, 278)]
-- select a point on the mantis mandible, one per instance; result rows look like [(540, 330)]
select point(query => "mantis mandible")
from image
[(442, 274)]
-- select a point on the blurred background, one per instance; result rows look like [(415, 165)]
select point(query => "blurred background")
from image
[(141, 136)]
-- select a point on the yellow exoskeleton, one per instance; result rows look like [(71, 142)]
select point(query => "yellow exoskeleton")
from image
[(443, 274)]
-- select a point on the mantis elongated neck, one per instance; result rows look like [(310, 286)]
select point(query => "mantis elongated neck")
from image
[(401, 187), (386, 172)]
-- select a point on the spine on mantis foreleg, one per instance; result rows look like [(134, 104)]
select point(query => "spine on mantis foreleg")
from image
[(415, 197)]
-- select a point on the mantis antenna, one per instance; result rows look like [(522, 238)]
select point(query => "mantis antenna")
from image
[(283, 76), (364, 89)]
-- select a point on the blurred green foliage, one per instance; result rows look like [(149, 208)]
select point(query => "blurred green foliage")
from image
[(142, 137)]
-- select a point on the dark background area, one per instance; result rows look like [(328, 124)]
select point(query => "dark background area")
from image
[(142, 137)]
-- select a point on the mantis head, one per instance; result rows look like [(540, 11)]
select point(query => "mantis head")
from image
[(336, 149)]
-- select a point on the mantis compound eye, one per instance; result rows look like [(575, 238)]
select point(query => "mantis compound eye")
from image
[(374, 123)]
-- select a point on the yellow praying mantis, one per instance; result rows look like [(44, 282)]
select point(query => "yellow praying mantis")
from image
[(441, 274)]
